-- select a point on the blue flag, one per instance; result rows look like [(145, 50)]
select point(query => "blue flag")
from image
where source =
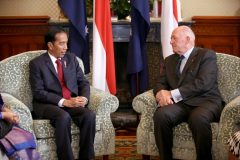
[(75, 10), (137, 67)]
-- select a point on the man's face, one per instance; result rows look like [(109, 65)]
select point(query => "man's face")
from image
[(178, 42), (59, 47)]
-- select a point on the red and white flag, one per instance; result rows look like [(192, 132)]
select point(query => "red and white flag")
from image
[(103, 51), (171, 14)]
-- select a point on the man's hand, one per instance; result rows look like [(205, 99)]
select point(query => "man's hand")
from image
[(163, 98), (75, 102), (82, 101), (10, 117)]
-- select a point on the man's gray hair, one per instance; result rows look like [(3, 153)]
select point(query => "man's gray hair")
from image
[(188, 32)]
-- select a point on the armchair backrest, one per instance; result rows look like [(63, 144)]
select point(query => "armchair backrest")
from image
[(14, 77), (228, 76)]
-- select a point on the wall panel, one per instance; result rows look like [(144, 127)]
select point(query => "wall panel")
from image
[(22, 33), (219, 33)]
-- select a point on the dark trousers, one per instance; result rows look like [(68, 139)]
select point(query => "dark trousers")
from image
[(198, 118), (61, 120)]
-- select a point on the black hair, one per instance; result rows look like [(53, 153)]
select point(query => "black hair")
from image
[(50, 36)]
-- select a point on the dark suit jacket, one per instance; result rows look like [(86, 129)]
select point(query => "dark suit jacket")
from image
[(198, 81), (44, 81)]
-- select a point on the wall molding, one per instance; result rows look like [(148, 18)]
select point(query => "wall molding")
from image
[(219, 33), (22, 33)]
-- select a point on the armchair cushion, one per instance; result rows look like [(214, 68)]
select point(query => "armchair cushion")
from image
[(228, 76), (15, 76)]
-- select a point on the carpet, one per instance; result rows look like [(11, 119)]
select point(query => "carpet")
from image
[(126, 149)]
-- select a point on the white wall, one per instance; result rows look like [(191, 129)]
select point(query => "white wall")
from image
[(29, 8), (210, 8), (189, 8)]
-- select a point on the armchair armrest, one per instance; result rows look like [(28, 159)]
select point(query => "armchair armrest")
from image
[(145, 104), (230, 120), (102, 102), (21, 110), (228, 125)]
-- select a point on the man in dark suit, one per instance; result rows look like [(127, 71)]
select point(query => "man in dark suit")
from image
[(61, 94), (187, 91)]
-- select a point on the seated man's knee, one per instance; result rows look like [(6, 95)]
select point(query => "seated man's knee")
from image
[(88, 115), (198, 121), (160, 116), (64, 118), (91, 116)]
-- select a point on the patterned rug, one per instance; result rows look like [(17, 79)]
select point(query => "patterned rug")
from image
[(126, 149)]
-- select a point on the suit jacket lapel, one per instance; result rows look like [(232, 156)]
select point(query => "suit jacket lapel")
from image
[(190, 60), (50, 65), (65, 67)]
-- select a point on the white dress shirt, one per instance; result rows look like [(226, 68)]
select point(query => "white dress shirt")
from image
[(176, 95)]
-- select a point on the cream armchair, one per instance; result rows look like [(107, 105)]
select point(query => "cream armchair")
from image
[(14, 84), (183, 145)]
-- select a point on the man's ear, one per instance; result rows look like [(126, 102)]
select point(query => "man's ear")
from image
[(188, 39), (50, 45)]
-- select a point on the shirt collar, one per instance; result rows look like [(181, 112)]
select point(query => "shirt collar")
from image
[(53, 59), (187, 54)]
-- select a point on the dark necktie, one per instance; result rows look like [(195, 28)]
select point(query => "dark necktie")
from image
[(65, 91), (178, 72)]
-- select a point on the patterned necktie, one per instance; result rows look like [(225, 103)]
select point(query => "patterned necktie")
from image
[(178, 72), (65, 91)]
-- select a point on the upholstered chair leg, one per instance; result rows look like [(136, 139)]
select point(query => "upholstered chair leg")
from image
[(105, 157), (145, 157)]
